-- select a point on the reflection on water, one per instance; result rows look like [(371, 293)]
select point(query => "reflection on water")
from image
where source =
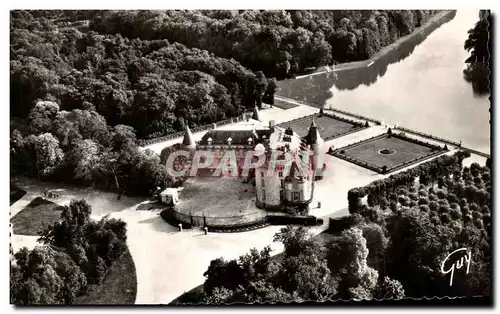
[(420, 85), (316, 89)]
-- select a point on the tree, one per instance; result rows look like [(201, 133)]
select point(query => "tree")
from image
[(348, 258), (41, 117), (85, 156), (479, 44), (49, 156), (390, 289)]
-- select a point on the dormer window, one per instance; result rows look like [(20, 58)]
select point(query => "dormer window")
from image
[(229, 141), (209, 141)]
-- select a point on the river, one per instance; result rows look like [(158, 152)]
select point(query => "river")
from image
[(419, 85)]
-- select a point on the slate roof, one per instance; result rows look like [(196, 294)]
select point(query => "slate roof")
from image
[(188, 137), (239, 137), (255, 114), (313, 136)]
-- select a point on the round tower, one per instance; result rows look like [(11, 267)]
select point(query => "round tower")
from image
[(316, 143)]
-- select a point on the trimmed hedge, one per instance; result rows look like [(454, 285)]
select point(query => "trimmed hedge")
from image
[(343, 223), (432, 170), (293, 220)]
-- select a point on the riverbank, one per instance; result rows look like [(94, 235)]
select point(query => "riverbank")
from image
[(439, 18)]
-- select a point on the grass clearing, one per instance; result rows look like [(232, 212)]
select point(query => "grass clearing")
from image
[(37, 215)]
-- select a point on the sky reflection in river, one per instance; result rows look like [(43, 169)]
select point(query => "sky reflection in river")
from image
[(421, 86)]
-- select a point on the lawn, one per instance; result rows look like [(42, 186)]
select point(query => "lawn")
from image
[(387, 151), (328, 126), (37, 215), (283, 104), (15, 194), (118, 288)]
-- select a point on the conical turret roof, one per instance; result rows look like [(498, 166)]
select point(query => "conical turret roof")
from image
[(256, 115), (313, 136), (188, 139)]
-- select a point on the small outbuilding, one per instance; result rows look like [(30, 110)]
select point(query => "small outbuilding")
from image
[(169, 196)]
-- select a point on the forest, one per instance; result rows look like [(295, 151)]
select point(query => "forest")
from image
[(154, 86), (391, 247), (79, 147), (75, 254), (279, 43)]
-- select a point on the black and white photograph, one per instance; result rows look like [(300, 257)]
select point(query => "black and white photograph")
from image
[(193, 157)]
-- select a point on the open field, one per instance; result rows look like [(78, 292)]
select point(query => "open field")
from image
[(37, 215), (386, 151), (328, 126)]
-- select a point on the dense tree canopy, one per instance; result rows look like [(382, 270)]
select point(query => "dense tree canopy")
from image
[(76, 252), (280, 43), (429, 220), (155, 86), (79, 146), (308, 270)]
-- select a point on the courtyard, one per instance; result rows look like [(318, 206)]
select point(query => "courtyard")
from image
[(386, 153), (227, 200), (329, 126)]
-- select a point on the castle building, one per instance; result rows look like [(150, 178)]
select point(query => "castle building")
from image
[(286, 177)]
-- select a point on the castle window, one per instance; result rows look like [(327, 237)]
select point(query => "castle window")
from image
[(296, 196), (282, 195), (263, 195), (280, 174)]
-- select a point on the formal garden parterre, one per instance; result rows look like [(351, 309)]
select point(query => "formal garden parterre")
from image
[(329, 126), (388, 152)]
